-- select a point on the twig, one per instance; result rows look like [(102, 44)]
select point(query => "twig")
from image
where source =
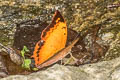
[(7, 49)]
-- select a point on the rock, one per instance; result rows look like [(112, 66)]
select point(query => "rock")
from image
[(85, 14), (114, 49), (105, 70), (3, 70)]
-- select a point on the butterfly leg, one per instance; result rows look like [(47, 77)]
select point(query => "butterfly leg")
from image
[(61, 61), (75, 59), (71, 59)]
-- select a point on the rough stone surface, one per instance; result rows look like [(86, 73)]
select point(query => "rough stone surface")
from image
[(79, 15), (3, 70), (105, 70)]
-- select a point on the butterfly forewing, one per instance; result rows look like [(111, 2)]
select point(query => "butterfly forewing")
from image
[(53, 39)]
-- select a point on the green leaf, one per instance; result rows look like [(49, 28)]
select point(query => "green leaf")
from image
[(23, 53), (25, 49), (26, 63), (35, 69)]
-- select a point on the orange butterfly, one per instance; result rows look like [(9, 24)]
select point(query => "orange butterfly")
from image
[(60, 54), (53, 39)]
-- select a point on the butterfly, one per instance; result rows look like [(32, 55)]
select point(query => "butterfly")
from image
[(60, 54), (53, 39)]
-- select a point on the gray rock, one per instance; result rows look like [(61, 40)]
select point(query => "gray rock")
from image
[(86, 13), (3, 69), (105, 70)]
